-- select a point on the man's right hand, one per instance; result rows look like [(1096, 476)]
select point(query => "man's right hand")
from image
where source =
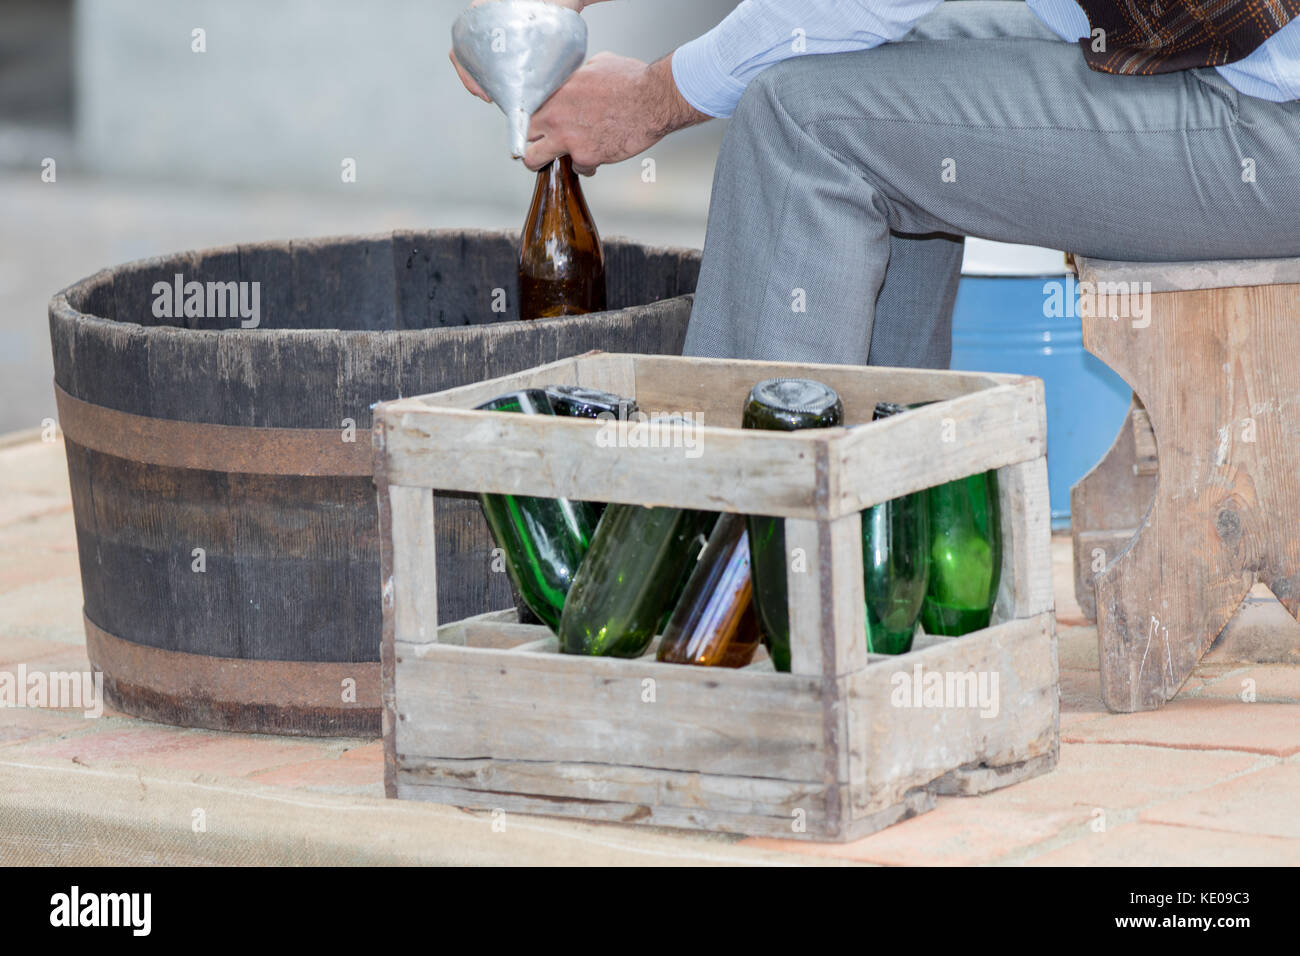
[(469, 80)]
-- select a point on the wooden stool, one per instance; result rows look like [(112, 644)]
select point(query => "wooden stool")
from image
[(1163, 555)]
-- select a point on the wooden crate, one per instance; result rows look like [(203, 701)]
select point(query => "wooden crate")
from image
[(485, 713)]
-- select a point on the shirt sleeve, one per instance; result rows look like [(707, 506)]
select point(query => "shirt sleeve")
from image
[(712, 71)]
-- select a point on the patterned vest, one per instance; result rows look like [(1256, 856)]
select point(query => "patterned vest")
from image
[(1161, 36)]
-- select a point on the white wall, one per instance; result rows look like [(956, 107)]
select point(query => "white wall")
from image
[(288, 88)]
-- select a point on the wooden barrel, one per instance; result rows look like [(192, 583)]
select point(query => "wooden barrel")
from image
[(221, 477)]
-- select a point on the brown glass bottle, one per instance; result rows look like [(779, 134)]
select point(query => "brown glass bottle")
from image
[(561, 264), (715, 624)]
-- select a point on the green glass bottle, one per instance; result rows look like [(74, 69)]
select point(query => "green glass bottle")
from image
[(895, 563), (543, 539), (695, 548), (781, 404), (627, 582), (578, 401), (965, 555)]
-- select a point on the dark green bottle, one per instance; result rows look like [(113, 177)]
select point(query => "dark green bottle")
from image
[(895, 563), (781, 404), (696, 547), (543, 539), (578, 401), (637, 562), (965, 555)]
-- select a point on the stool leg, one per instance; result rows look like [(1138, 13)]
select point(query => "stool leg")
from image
[(1214, 369), (1106, 508)]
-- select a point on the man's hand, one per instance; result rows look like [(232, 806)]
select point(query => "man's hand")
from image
[(469, 80), (611, 109)]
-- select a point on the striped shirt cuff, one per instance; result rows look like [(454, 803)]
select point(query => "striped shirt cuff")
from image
[(701, 81)]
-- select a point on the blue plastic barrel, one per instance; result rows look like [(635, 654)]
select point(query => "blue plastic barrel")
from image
[(1000, 324)]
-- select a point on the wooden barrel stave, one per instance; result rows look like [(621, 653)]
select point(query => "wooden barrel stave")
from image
[(290, 592)]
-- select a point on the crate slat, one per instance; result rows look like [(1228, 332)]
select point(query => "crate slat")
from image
[(610, 783), (1025, 585), (728, 469), (896, 748), (700, 719), (502, 454), (1003, 425), (414, 581), (775, 824), (717, 389), (825, 588)]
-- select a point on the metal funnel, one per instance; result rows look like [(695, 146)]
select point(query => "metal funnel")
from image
[(520, 52)]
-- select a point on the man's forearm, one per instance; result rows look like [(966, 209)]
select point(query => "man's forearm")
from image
[(665, 103)]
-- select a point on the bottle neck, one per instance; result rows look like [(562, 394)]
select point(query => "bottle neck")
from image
[(557, 178)]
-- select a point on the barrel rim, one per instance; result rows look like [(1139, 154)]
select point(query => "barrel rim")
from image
[(103, 357), (64, 300)]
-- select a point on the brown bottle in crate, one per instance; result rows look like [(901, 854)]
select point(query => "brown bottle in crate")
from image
[(561, 264), (715, 624)]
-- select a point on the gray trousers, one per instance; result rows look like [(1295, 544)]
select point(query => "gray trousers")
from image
[(845, 182)]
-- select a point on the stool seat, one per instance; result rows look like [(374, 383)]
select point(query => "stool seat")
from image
[(1189, 276), (1199, 497)]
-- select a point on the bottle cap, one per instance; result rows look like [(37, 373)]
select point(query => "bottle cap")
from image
[(581, 402), (885, 409), (791, 403), (530, 401)]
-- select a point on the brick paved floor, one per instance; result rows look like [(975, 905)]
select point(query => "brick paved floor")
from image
[(1210, 779)]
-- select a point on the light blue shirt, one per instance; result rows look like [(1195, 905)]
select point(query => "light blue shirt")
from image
[(712, 71)]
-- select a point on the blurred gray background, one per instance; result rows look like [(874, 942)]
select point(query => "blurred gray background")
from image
[(159, 149)]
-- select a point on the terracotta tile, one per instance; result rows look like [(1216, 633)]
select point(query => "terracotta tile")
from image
[(15, 648), (106, 743), (36, 467), (1265, 802), (1067, 608), (960, 831), (51, 531), (19, 568), (48, 609), (57, 657), (1076, 647), (1200, 724), (370, 753), (1261, 631), (28, 723), (1276, 683), (235, 755), (1147, 844), (1069, 719), (1121, 776), (331, 774), (1081, 692), (18, 506), (1205, 674), (153, 746)]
